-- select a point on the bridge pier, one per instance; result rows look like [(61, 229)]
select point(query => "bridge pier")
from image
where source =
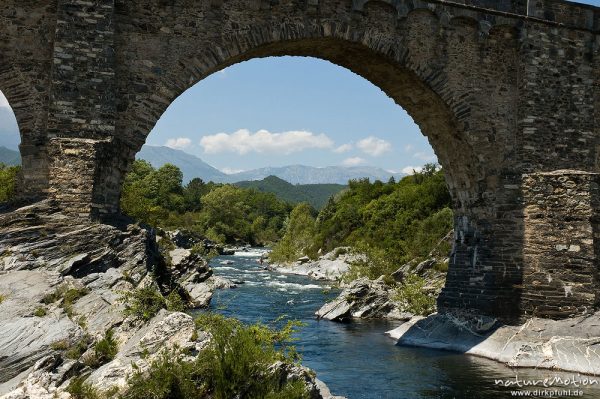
[(561, 277)]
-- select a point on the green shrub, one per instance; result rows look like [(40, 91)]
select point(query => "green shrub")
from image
[(143, 303), (106, 349), (238, 357), (2, 298), (175, 302), (79, 389), (413, 298), (237, 363), (61, 345), (40, 312), (75, 351), (67, 296), (168, 377)]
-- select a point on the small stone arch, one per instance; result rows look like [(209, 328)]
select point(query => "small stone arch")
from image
[(31, 120)]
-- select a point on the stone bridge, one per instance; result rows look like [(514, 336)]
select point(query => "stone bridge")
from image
[(506, 91)]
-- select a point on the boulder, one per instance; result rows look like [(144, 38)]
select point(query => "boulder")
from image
[(569, 345), (167, 330), (188, 267), (363, 298)]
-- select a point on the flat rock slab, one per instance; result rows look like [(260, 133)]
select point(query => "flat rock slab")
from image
[(568, 345), (25, 338)]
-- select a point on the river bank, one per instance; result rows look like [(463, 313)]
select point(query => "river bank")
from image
[(85, 307)]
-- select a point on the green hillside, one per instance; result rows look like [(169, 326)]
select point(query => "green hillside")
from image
[(9, 157), (315, 194)]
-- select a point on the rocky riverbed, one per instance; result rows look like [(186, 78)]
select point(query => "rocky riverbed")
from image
[(62, 283)]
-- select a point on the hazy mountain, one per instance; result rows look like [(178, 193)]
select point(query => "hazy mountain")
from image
[(301, 174), (191, 166), (9, 131), (9, 157), (315, 194)]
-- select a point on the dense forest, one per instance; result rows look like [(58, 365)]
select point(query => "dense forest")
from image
[(221, 212), (391, 222), (314, 194)]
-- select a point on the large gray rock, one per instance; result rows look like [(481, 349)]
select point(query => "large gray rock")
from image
[(24, 338), (201, 293), (363, 298), (188, 266), (165, 331), (569, 345), (331, 266)]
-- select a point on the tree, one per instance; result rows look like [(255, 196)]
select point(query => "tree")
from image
[(8, 182), (299, 236)]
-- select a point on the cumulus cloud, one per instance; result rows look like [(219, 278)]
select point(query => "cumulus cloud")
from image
[(354, 161), (179, 143), (409, 170), (263, 141), (343, 148), (231, 171), (426, 157), (3, 101), (374, 146)]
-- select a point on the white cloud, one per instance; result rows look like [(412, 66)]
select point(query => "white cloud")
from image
[(355, 161), (179, 143), (408, 148), (3, 101), (425, 157), (374, 146), (409, 170), (263, 141), (343, 148), (231, 171)]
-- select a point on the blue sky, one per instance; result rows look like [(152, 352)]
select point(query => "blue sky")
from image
[(291, 110), (285, 110)]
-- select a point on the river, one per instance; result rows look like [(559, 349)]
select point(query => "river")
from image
[(357, 360)]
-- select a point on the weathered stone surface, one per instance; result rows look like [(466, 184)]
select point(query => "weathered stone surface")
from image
[(24, 338), (188, 267), (363, 298), (164, 332), (570, 344), (331, 266), (201, 293), (41, 250)]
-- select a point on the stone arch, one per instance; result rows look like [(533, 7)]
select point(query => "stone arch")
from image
[(388, 65), (31, 120), (433, 78)]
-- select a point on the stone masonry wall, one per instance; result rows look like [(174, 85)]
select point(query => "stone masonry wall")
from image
[(560, 268)]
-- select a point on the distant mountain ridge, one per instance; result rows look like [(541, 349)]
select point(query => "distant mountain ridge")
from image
[(302, 174), (192, 166), (9, 157), (315, 194)]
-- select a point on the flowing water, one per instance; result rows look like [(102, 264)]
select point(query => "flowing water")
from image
[(357, 360)]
